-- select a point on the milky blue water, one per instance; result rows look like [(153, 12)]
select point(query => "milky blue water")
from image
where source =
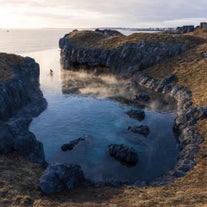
[(79, 105)]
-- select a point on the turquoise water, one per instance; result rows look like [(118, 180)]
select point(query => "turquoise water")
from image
[(79, 105)]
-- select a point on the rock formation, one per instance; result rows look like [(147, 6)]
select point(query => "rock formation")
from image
[(60, 177), (127, 156), (136, 114), (141, 129), (20, 100), (71, 144), (124, 60)]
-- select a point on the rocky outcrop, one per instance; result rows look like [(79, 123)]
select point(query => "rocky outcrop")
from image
[(141, 129), (127, 156), (184, 124), (71, 144), (136, 114), (128, 60), (124, 60), (60, 177), (20, 100), (142, 97)]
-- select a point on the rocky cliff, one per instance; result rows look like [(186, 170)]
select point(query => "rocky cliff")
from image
[(128, 60), (20, 100), (125, 59)]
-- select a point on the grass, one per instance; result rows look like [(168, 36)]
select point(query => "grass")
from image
[(89, 39), (6, 62), (19, 178)]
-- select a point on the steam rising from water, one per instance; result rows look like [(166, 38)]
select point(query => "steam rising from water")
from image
[(101, 86), (78, 104)]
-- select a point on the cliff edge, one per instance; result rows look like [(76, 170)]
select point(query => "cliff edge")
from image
[(20, 100)]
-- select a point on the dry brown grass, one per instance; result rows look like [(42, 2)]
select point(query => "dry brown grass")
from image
[(6, 61), (191, 69), (90, 39), (19, 178)]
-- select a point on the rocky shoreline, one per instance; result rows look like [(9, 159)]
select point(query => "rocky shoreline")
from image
[(17, 112), (21, 99), (187, 115), (124, 60)]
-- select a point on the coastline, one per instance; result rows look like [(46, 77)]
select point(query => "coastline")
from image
[(187, 116), (21, 99), (185, 191)]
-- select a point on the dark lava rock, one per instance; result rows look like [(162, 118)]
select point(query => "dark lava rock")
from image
[(127, 156), (144, 130), (6, 139), (60, 177), (27, 145), (72, 144), (142, 97), (165, 82), (136, 114)]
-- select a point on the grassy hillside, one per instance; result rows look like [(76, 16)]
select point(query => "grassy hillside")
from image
[(90, 39), (19, 178)]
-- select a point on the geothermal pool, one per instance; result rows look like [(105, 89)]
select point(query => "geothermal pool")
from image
[(80, 105)]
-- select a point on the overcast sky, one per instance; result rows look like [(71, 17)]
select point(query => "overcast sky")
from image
[(101, 13)]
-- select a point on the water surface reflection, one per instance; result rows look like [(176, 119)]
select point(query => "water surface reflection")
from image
[(79, 105)]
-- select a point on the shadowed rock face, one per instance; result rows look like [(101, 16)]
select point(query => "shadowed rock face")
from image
[(20, 100), (60, 177), (123, 60)]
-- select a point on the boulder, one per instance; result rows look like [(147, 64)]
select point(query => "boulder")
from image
[(125, 155), (171, 79), (72, 144), (60, 177), (136, 114), (144, 130), (142, 97)]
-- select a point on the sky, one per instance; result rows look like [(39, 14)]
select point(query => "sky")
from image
[(101, 13)]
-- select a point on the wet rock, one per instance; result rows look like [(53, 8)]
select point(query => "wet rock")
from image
[(127, 156), (110, 182), (179, 174), (144, 130), (60, 177), (142, 97), (140, 183), (72, 144), (136, 114)]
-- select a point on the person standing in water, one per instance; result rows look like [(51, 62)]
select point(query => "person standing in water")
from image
[(51, 72)]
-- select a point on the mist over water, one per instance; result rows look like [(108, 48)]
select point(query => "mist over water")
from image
[(80, 105)]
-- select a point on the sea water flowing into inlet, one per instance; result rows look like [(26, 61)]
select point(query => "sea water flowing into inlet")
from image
[(79, 105)]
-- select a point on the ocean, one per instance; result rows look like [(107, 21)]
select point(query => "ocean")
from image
[(20, 41)]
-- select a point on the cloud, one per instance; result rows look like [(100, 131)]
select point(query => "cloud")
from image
[(131, 13)]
